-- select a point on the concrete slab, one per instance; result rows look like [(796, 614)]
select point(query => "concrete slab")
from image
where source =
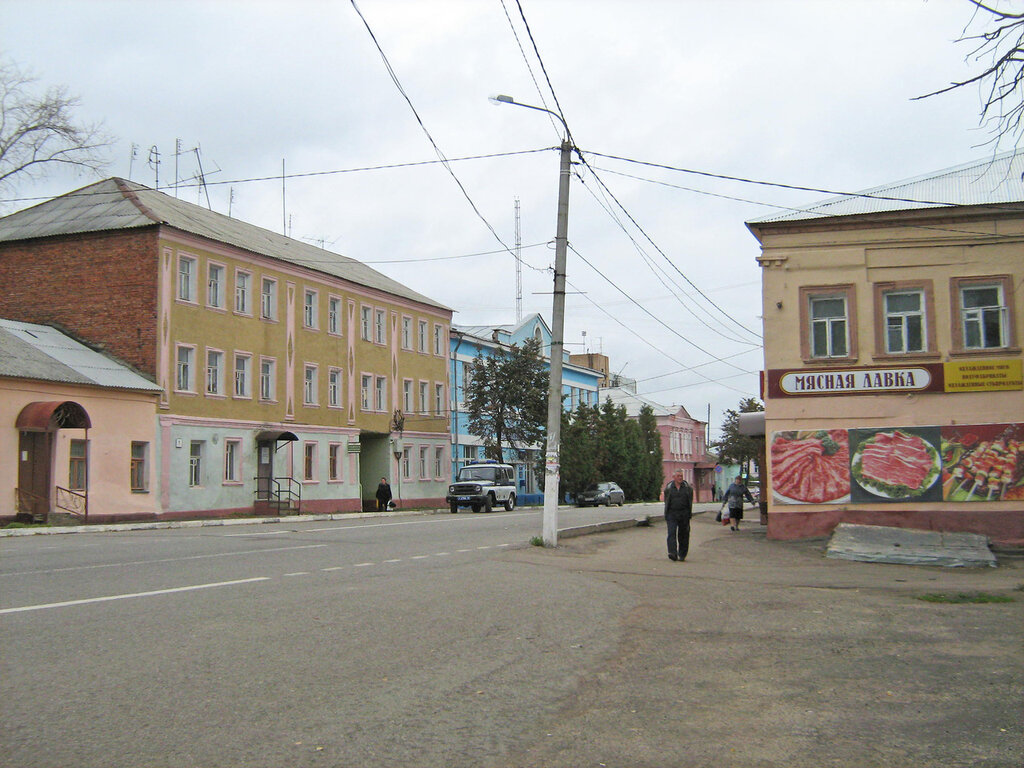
[(880, 544)]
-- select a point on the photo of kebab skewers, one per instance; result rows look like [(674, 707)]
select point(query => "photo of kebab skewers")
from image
[(987, 471)]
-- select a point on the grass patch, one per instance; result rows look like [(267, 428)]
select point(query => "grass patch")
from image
[(25, 525), (537, 541), (964, 597)]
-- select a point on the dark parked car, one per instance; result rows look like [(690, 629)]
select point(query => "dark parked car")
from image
[(601, 493)]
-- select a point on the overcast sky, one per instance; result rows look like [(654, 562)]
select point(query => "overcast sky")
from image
[(814, 93)]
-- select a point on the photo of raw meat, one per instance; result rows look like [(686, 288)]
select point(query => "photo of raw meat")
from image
[(810, 467), (895, 464)]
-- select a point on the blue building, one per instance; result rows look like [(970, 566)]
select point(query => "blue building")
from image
[(579, 384)]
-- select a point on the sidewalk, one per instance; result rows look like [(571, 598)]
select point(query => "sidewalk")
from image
[(756, 653)]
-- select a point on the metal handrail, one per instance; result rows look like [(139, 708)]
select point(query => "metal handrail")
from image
[(279, 492), (73, 502)]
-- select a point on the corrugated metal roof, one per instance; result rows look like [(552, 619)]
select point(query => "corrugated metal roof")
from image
[(116, 204), (31, 351), (990, 181)]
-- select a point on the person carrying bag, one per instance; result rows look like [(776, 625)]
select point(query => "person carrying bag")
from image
[(732, 504)]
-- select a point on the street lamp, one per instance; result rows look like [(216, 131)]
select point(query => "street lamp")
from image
[(551, 465)]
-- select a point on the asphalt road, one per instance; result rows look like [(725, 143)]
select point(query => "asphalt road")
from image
[(449, 641)]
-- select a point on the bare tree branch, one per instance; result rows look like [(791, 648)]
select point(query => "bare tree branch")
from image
[(39, 132)]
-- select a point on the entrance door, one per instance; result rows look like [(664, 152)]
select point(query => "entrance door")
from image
[(264, 469), (34, 456)]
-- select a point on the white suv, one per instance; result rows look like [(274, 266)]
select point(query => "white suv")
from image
[(483, 486)]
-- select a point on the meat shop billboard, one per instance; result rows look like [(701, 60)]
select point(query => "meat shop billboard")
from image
[(975, 463)]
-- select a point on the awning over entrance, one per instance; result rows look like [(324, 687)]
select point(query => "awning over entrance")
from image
[(47, 417), (751, 424), (275, 436)]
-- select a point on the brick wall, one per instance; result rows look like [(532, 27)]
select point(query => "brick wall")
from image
[(99, 287)]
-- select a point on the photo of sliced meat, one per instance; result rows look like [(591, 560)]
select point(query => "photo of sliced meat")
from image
[(810, 467), (895, 464)]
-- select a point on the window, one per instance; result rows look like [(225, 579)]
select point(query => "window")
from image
[(311, 386), (139, 473), (438, 340), (407, 396), (215, 286), (406, 333), (186, 278), (439, 409), (334, 461), (423, 336), (983, 315), (232, 461), (310, 315), (424, 406), (78, 465), (365, 319), (242, 376), (904, 322), (380, 394), (243, 293), (268, 379), (423, 462), (438, 462), (828, 326), (334, 315), (309, 462), (334, 388), (379, 326), (268, 299), (195, 464), (214, 372), (184, 380), (467, 379), (365, 383), (406, 461)]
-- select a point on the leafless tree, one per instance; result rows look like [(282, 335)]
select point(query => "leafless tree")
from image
[(38, 131), (1000, 45)]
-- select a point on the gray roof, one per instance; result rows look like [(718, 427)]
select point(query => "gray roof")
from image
[(116, 204), (30, 351), (634, 402), (989, 181)]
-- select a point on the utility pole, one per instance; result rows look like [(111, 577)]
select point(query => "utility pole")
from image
[(551, 458)]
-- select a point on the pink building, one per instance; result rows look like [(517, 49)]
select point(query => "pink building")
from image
[(683, 443)]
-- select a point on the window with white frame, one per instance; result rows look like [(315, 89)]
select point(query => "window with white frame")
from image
[(467, 379), (439, 409), (268, 379), (380, 394), (139, 467), (334, 461), (334, 388), (310, 385), (828, 326), (423, 462), (983, 315), (407, 406), (187, 278), (905, 329), (310, 316), (365, 384), (268, 299), (423, 335), (438, 339), (232, 461), (243, 376), (215, 286), (78, 465), (406, 462), (243, 293), (438, 462), (309, 462), (406, 333), (424, 398), (379, 326), (687, 443), (214, 372), (195, 464), (334, 315), (365, 323), (185, 376)]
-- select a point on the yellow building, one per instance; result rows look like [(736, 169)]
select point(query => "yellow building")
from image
[(893, 388), (290, 377)]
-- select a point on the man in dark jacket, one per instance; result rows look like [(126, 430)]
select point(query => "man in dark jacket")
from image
[(678, 509), (383, 495)]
